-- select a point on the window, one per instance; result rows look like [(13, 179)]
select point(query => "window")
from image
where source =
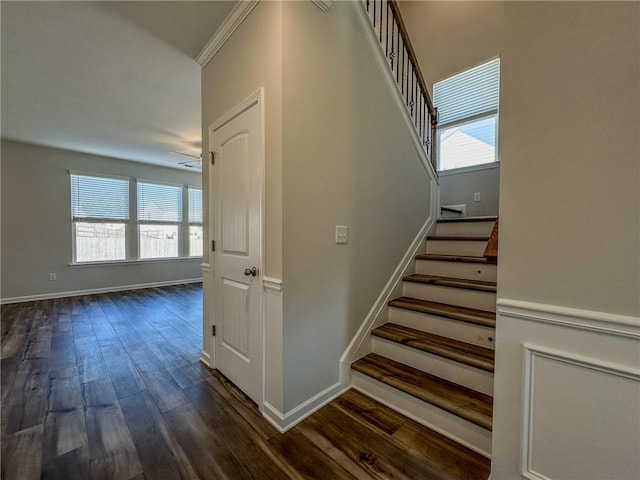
[(195, 221), (159, 219), (468, 109), (100, 213), (169, 219)]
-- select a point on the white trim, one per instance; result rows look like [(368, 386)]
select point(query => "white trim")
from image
[(378, 313), (205, 267), (224, 32), (323, 5), (381, 59), (205, 358), (286, 421), (91, 291), (270, 283), (473, 168), (109, 263), (531, 352), (601, 322), (254, 99), (246, 104)]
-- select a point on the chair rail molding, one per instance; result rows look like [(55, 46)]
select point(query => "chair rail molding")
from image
[(602, 322)]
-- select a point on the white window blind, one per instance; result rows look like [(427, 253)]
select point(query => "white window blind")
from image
[(195, 205), (99, 198), (470, 93), (159, 203)]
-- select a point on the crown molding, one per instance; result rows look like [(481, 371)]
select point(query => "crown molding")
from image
[(242, 9), (323, 5)]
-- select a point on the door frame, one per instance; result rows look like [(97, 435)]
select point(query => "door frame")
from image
[(256, 98)]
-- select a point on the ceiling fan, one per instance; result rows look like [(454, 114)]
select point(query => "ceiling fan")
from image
[(196, 163)]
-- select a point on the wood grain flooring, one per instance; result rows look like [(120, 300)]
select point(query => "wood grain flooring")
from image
[(110, 386)]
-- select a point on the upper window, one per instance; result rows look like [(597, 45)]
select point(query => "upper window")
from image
[(468, 109), (159, 219), (195, 222), (100, 212)]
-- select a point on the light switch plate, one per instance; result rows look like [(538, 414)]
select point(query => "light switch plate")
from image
[(342, 234)]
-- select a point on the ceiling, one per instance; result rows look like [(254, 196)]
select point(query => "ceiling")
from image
[(117, 79)]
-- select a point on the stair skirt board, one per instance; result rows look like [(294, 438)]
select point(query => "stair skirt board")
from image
[(472, 271), (462, 431), (443, 326), (474, 248), (451, 295), (454, 371), (471, 229)]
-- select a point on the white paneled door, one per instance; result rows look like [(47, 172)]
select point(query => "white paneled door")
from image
[(236, 194)]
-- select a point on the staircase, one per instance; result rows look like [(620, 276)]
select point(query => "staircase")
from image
[(433, 360)]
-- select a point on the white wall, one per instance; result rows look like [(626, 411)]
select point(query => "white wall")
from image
[(569, 237), (36, 224), (348, 160)]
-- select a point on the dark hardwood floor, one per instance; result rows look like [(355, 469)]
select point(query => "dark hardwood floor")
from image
[(110, 387)]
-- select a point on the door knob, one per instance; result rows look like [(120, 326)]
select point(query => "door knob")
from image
[(253, 271)]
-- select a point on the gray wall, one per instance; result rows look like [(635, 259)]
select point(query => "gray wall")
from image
[(569, 229), (570, 206), (36, 224), (337, 153), (458, 189), (250, 59), (449, 37), (348, 160)]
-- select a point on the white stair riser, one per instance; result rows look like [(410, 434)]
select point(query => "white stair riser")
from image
[(472, 229), (472, 248), (448, 424), (471, 271), (445, 327), (460, 373), (460, 297)]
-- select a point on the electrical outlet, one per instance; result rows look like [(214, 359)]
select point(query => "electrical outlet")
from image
[(52, 276), (476, 197), (342, 234)]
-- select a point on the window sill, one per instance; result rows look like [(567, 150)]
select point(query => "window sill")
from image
[(474, 168), (134, 262)]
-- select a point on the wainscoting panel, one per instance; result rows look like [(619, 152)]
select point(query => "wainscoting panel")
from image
[(566, 394), (581, 418)]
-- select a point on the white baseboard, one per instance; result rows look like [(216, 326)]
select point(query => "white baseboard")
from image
[(205, 358), (285, 421), (91, 291), (377, 315)]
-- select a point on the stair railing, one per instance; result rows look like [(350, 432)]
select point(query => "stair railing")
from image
[(387, 23)]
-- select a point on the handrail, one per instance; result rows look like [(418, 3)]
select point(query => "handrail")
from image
[(387, 22)]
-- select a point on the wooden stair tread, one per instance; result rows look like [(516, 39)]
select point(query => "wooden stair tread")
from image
[(455, 238), (463, 314), (479, 285), (451, 258), (447, 458), (468, 219), (456, 350), (464, 402)]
